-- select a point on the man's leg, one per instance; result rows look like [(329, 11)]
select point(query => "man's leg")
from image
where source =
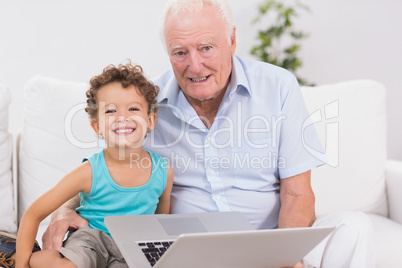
[(351, 245)]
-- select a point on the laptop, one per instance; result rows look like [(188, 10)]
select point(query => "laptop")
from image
[(207, 240)]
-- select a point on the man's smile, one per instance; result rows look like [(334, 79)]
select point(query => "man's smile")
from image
[(201, 79)]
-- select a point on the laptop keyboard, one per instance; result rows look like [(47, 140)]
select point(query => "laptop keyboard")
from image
[(154, 250)]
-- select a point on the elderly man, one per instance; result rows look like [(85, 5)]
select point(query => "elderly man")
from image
[(232, 130)]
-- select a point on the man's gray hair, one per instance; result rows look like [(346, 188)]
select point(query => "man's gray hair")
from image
[(177, 7)]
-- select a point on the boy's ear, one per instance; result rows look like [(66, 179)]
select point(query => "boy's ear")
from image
[(151, 121), (95, 126)]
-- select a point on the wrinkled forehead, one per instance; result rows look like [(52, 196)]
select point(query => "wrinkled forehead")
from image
[(178, 7), (183, 15), (185, 11), (193, 18)]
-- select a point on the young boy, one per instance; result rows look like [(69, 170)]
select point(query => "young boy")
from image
[(122, 179)]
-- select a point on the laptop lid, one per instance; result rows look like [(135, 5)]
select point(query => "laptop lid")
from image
[(128, 230), (243, 249), (213, 239)]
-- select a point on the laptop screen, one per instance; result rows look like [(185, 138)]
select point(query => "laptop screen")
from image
[(182, 225)]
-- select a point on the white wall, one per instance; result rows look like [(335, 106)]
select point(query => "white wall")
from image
[(74, 40)]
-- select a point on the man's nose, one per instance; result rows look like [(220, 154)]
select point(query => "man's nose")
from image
[(195, 62)]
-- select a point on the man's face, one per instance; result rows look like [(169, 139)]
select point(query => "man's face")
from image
[(200, 53)]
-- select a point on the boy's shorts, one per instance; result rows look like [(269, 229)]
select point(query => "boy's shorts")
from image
[(88, 247)]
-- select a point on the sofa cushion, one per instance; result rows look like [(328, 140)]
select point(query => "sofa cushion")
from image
[(394, 185), (7, 218), (56, 136), (350, 119), (388, 235)]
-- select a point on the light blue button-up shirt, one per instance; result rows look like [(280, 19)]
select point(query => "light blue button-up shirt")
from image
[(255, 140)]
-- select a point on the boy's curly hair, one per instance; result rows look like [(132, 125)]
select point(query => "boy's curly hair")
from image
[(127, 75)]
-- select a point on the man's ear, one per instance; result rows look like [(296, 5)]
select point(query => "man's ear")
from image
[(151, 121), (233, 41), (95, 126)]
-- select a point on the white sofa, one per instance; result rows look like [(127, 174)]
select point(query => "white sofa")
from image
[(349, 117)]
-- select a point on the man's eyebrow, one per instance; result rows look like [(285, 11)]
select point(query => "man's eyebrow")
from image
[(175, 47), (172, 48), (206, 42)]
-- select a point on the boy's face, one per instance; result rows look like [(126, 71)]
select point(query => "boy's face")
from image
[(123, 117)]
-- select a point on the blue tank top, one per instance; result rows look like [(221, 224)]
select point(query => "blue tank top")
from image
[(107, 198)]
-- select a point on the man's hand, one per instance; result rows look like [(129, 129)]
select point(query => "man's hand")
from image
[(63, 219), (298, 265)]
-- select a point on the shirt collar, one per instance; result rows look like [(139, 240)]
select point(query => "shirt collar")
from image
[(238, 78), (170, 92)]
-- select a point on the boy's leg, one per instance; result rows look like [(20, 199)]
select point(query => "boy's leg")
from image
[(84, 248), (116, 260), (49, 258)]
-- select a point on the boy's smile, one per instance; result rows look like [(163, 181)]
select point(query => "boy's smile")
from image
[(124, 130)]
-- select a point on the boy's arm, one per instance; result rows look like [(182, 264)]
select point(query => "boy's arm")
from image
[(164, 200), (78, 180)]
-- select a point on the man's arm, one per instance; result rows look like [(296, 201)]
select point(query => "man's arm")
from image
[(63, 219), (164, 200), (297, 202)]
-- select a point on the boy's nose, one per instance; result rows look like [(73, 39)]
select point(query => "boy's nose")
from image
[(122, 118)]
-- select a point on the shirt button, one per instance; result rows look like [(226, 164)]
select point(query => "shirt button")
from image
[(218, 197), (212, 172), (209, 138)]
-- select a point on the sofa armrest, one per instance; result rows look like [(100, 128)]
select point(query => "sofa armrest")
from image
[(394, 189), (15, 168)]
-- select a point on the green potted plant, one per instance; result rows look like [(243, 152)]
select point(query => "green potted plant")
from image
[(279, 42)]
